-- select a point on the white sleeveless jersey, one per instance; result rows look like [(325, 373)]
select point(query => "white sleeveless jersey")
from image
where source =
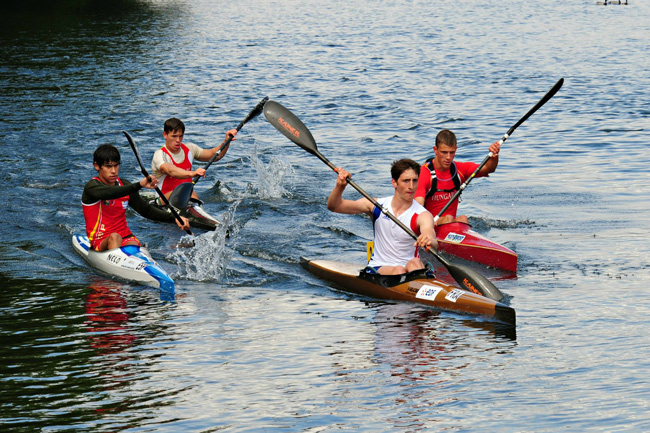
[(393, 246)]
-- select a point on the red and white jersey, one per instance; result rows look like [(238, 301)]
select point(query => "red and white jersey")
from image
[(392, 245), (182, 159), (105, 217)]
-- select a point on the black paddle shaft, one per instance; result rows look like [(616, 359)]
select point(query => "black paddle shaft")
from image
[(146, 174), (253, 114), (537, 106)]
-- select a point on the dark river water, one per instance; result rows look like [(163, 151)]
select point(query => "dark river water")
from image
[(254, 342)]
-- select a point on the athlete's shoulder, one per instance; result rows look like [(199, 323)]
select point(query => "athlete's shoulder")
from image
[(418, 208), (194, 149), (466, 167)]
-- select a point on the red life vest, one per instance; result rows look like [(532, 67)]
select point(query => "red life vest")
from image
[(169, 183), (105, 217), (437, 197)]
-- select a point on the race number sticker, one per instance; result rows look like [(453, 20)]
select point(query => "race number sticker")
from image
[(454, 238), (428, 292), (132, 263), (454, 295)]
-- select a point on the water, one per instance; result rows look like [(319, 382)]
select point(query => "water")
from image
[(253, 342)]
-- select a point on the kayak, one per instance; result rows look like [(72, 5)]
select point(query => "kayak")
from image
[(415, 286), (460, 240), (194, 212), (130, 263)]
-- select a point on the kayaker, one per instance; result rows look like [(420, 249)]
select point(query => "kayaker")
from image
[(106, 197), (394, 250), (172, 163), (441, 177)]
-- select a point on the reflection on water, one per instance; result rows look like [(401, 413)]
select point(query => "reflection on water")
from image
[(417, 342), (74, 355), (426, 352), (107, 317)]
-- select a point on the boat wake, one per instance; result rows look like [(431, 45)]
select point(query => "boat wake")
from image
[(482, 224)]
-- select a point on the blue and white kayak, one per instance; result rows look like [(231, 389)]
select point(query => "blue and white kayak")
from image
[(131, 263)]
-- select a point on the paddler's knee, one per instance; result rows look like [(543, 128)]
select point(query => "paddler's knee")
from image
[(462, 219), (391, 270), (114, 240), (413, 265)]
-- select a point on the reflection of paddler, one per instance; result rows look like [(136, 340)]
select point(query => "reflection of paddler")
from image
[(107, 317), (411, 342)]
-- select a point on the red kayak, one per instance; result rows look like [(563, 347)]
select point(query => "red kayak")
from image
[(461, 241)]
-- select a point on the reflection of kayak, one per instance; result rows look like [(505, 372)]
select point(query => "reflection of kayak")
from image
[(414, 287), (107, 317), (131, 263), (194, 212), (461, 241)]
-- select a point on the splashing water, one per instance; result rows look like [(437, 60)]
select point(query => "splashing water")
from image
[(210, 257), (271, 176)]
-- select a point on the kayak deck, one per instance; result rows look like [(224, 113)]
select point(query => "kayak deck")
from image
[(418, 288), (460, 240), (130, 263), (194, 212)]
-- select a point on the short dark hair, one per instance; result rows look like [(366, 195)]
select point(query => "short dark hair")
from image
[(401, 165), (106, 153), (446, 137), (174, 124)]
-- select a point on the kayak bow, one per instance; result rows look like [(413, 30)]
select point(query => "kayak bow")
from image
[(460, 240), (131, 263)]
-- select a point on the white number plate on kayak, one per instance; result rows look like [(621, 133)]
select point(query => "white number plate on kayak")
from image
[(132, 263), (428, 292), (454, 237), (454, 295)]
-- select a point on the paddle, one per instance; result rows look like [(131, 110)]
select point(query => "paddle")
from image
[(537, 106), (182, 193), (292, 128), (146, 174)]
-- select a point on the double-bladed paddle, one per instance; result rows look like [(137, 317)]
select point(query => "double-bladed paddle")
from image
[(182, 193), (146, 174), (292, 128), (537, 106)]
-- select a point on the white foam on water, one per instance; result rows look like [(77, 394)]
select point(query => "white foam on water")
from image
[(271, 176), (212, 253), (209, 258)]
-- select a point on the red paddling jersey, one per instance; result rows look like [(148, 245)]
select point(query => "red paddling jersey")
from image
[(104, 217), (170, 183), (445, 187)]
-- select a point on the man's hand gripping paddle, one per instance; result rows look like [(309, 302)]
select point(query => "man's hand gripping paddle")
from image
[(537, 106), (146, 174), (180, 197)]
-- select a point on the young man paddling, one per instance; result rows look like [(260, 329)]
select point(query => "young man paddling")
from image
[(441, 177), (106, 197), (394, 251), (172, 164)]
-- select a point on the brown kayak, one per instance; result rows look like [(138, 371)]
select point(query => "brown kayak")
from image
[(413, 287)]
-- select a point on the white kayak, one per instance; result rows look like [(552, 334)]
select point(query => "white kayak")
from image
[(131, 263)]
